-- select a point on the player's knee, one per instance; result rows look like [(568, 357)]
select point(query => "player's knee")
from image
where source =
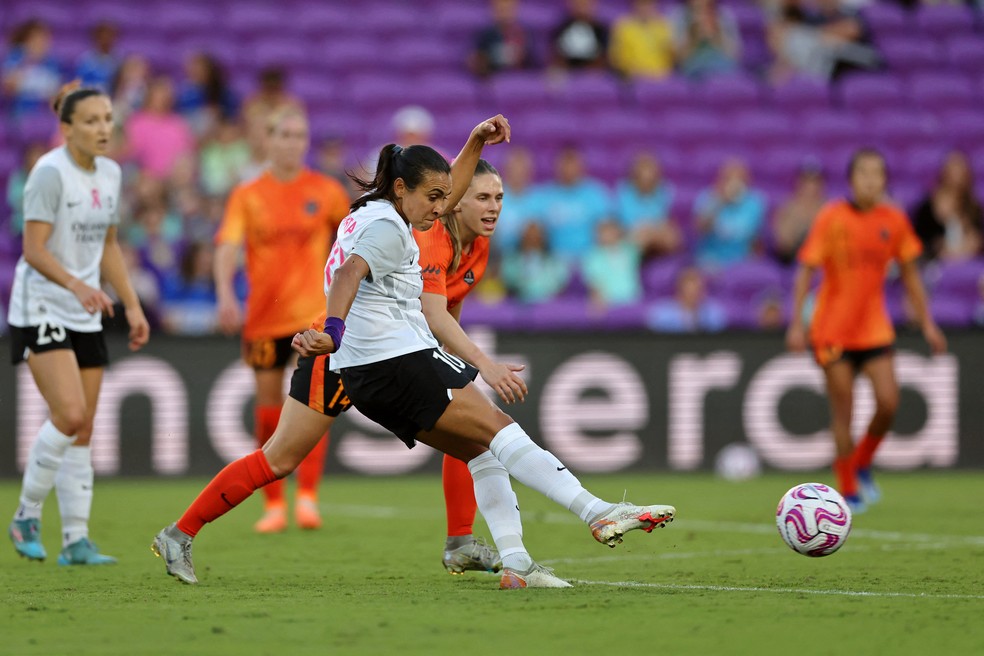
[(282, 464), (70, 419), (887, 404)]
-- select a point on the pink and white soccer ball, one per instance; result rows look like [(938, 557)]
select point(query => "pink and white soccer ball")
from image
[(813, 519)]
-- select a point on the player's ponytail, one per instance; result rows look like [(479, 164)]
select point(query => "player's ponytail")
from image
[(452, 226), (411, 164), (63, 104)]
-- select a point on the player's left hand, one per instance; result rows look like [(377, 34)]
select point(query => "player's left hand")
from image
[(504, 380), (935, 338), (312, 343), (494, 130), (139, 328)]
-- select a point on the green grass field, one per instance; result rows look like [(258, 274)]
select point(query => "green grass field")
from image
[(719, 580)]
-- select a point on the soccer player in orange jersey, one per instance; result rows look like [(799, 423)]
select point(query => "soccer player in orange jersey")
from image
[(453, 257), (853, 241), (287, 215)]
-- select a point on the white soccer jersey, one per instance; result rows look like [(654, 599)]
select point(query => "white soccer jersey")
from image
[(386, 319), (81, 206)]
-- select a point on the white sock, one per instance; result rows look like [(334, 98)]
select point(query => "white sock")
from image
[(500, 508), (74, 487), (542, 471), (43, 462)]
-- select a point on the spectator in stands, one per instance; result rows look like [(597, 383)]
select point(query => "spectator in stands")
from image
[(522, 204), (611, 267), (642, 205), (223, 158), (793, 219), (824, 40), (949, 220), (729, 217), (581, 39), (413, 125), (129, 87), (706, 39), (689, 310), (97, 67), (204, 98), (532, 273), (505, 45), (642, 43), (16, 183), (145, 284), (30, 76), (188, 295), (331, 158), (572, 205), (157, 137), (271, 95), (157, 229), (769, 313)]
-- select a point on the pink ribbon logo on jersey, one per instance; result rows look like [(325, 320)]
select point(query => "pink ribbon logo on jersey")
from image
[(96, 203)]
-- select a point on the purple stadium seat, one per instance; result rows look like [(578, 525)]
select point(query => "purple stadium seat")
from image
[(956, 279), (352, 56), (393, 19), (659, 276), (319, 91), (68, 47), (562, 314), (504, 315), (729, 92), (540, 17), (901, 128), (622, 127), (441, 89), (525, 90), (887, 19), (127, 16), (762, 128), (289, 52), (462, 19), (322, 18), (34, 128), (801, 93), (180, 19), (746, 280), (965, 53), (704, 162), (625, 317), (695, 127), (781, 163), (829, 128), (953, 312), (57, 15), (943, 21), (921, 163), (588, 91), (340, 123), (253, 19), (546, 127), (866, 92), (939, 91), (963, 127), (907, 54), (664, 95), (420, 56)]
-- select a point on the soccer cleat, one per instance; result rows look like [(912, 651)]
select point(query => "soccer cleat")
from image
[(477, 555), (306, 513), (869, 491), (175, 548), (274, 520), (625, 517), (537, 576), (26, 536), (83, 552)]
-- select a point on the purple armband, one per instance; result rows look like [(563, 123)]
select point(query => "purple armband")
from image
[(335, 328)]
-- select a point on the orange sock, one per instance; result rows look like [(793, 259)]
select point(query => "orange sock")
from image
[(230, 487), (864, 452), (310, 470), (267, 417), (847, 479), (459, 497)]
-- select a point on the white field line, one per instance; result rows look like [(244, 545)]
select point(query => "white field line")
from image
[(930, 540), (735, 588)]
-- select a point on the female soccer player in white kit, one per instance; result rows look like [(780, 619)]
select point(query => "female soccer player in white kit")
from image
[(395, 373), (71, 211)]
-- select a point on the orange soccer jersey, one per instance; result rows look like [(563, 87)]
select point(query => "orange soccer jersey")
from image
[(854, 250), (436, 254), (287, 228)]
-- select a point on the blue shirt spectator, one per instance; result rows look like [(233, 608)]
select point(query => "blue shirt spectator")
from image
[(31, 76), (572, 206), (642, 205), (532, 273), (521, 204), (729, 217), (611, 267), (689, 310), (97, 67)]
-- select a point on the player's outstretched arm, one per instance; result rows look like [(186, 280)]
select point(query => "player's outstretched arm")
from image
[(501, 377), (489, 132)]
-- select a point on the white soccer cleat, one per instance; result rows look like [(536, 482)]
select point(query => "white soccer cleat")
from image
[(625, 517), (537, 576), (175, 548), (477, 556)]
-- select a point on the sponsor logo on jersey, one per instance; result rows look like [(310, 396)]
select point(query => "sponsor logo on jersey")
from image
[(469, 277)]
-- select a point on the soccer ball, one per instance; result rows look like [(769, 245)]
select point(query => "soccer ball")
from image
[(813, 519)]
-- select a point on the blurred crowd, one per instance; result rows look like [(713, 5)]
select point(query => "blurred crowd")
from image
[(185, 141)]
